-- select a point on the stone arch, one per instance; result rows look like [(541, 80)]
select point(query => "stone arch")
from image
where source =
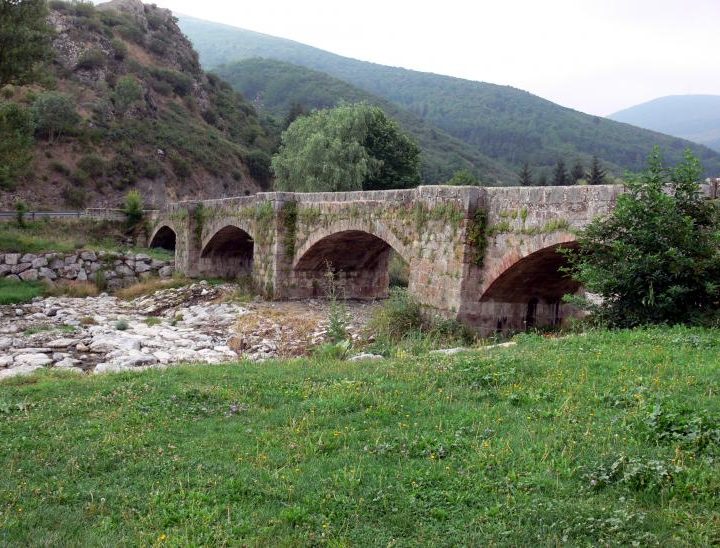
[(164, 236), (358, 255), (525, 289), (228, 252)]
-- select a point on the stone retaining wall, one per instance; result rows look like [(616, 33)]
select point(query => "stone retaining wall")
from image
[(118, 269)]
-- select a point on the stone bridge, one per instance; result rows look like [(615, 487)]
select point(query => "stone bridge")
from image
[(485, 256)]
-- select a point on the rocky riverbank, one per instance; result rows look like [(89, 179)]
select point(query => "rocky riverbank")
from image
[(198, 323)]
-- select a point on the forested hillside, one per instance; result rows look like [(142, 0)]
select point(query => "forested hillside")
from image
[(122, 103), (692, 117), (283, 89), (510, 125)]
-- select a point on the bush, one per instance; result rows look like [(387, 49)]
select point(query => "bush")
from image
[(93, 165), (120, 49), (127, 92), (91, 59), (158, 46), (74, 197), (16, 128), (656, 258), (55, 114), (21, 210), (121, 325), (133, 208), (400, 315), (258, 164), (133, 32)]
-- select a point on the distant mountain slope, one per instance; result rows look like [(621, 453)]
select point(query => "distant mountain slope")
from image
[(692, 117), (144, 115), (277, 86), (507, 124)]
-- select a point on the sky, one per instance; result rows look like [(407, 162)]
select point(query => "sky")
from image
[(597, 56)]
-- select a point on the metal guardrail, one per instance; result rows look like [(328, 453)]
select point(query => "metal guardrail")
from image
[(90, 213)]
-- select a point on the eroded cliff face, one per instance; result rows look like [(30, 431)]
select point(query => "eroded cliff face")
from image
[(148, 117)]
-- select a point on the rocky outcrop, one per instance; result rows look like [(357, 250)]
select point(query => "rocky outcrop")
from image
[(115, 269)]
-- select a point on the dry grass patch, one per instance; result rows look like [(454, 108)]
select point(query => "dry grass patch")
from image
[(150, 286), (66, 288)]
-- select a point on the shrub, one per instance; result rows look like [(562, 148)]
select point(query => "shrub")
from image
[(259, 165), (158, 46), (55, 114), (120, 49), (656, 258), (121, 325), (92, 164), (21, 209), (127, 92), (91, 59), (74, 197), (16, 128), (399, 315), (133, 32), (133, 208)]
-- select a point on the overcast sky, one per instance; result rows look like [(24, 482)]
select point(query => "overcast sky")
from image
[(597, 56)]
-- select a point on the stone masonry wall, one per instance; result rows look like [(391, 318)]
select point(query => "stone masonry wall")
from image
[(118, 269)]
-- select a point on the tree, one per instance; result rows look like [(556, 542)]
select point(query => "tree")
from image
[(463, 177), (560, 176), (133, 208), (656, 257), (54, 114), (577, 173), (296, 111), (24, 39), (526, 178), (16, 140), (542, 179), (597, 174), (127, 92), (350, 147)]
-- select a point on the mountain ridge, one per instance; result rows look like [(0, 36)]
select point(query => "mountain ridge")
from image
[(509, 125)]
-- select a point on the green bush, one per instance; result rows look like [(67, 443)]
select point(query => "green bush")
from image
[(16, 130), (74, 197), (399, 315), (55, 114), (120, 49), (121, 325), (133, 208), (127, 92), (133, 32), (91, 59), (92, 164)]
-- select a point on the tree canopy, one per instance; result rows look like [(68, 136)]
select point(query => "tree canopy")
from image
[(350, 147), (656, 257), (24, 38)]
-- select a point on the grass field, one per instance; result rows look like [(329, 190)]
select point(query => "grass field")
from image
[(609, 438)]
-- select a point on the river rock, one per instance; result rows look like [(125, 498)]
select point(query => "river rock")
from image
[(38, 360)]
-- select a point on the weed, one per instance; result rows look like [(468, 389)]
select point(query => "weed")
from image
[(152, 320), (122, 325)]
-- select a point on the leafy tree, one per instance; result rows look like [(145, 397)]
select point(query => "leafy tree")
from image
[(656, 257), (596, 176), (560, 176), (133, 208), (24, 39), (127, 92), (577, 173), (16, 140), (464, 177), (526, 177), (350, 147), (54, 114)]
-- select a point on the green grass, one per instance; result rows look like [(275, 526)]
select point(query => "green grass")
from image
[(609, 438), (59, 235), (14, 292)]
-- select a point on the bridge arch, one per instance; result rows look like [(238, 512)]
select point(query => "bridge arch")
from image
[(524, 290), (357, 254), (227, 252), (164, 236)]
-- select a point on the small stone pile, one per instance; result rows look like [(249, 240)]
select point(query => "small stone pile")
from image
[(118, 269)]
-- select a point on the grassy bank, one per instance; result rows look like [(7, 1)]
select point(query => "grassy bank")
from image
[(68, 235), (604, 438)]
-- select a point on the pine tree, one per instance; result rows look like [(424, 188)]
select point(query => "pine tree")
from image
[(526, 177), (560, 177), (597, 174), (577, 173)]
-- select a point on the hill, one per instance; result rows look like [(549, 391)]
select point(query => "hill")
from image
[(279, 87), (692, 117), (507, 124), (140, 113)]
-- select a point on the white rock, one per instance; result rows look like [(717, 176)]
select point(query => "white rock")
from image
[(38, 360), (18, 371), (365, 356), (111, 367), (62, 343), (6, 361), (67, 363), (449, 351)]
